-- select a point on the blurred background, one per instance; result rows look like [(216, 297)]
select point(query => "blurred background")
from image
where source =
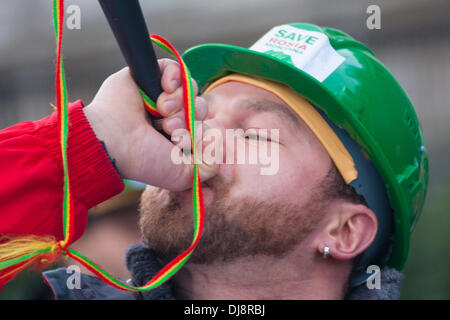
[(413, 42)]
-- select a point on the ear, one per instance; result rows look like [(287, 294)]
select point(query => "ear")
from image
[(349, 230)]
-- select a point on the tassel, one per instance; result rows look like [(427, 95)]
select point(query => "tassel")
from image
[(16, 253)]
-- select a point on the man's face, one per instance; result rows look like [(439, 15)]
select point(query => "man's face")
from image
[(246, 213)]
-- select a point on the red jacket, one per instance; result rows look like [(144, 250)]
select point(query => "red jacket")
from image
[(31, 176)]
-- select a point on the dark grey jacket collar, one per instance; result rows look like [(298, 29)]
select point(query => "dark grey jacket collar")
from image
[(143, 265)]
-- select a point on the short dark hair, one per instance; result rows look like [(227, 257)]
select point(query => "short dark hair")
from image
[(336, 188)]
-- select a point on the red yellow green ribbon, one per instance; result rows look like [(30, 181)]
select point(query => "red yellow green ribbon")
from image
[(17, 253)]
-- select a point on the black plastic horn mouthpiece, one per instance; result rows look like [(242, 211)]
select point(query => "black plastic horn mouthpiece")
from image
[(128, 26)]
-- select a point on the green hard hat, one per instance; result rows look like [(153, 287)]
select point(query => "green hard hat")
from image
[(355, 92)]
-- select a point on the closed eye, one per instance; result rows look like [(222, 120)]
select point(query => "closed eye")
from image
[(252, 137), (258, 135)]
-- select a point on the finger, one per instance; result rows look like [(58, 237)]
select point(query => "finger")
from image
[(170, 103), (178, 120), (195, 86), (201, 108), (171, 75), (208, 165), (171, 124)]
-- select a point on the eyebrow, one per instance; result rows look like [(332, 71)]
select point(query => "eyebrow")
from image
[(264, 105)]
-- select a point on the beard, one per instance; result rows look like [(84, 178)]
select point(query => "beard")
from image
[(234, 227)]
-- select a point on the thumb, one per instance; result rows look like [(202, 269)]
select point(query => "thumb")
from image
[(207, 165), (154, 160), (170, 165), (205, 146)]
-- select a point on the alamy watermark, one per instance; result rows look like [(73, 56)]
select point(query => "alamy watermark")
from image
[(373, 21), (374, 281), (73, 20), (229, 146), (74, 280)]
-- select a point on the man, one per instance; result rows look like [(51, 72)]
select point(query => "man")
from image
[(343, 198)]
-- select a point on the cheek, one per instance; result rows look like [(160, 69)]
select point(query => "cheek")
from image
[(291, 183)]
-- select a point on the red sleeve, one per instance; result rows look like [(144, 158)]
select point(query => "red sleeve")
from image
[(31, 175)]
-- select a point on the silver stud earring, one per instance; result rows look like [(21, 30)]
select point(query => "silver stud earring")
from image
[(326, 251)]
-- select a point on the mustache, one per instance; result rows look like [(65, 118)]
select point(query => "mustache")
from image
[(216, 183), (219, 185)]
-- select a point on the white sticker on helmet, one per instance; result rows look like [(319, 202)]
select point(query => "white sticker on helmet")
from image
[(308, 50)]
